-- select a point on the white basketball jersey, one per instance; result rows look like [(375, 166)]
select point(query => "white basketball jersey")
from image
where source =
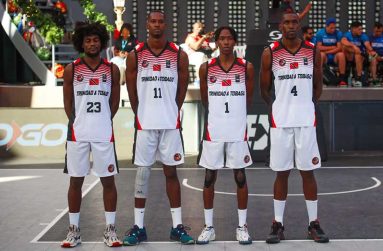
[(226, 111), (157, 84), (91, 119), (293, 82)]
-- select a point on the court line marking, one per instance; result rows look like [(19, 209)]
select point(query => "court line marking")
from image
[(58, 217), (377, 184), (217, 242), (17, 178)]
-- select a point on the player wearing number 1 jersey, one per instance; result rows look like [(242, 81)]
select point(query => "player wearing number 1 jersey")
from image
[(157, 78), (294, 66), (226, 90), (91, 97)]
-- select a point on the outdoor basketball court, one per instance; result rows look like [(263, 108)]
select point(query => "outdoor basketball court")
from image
[(34, 211)]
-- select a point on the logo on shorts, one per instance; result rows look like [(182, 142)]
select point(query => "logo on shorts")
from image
[(111, 168), (145, 63), (246, 159), (177, 157), (213, 79), (315, 160), (282, 62), (80, 77)]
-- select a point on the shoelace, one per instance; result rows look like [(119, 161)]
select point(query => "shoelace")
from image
[(71, 235), (205, 232), (182, 230), (133, 231), (244, 234), (111, 232)]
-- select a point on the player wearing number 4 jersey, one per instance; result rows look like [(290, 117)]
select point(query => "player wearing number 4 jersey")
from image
[(91, 97), (157, 78), (295, 68), (226, 90)]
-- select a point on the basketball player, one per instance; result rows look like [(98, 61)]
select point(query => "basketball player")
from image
[(227, 84), (157, 78), (295, 68), (91, 99)]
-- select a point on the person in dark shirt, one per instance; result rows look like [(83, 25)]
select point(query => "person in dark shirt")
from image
[(126, 41)]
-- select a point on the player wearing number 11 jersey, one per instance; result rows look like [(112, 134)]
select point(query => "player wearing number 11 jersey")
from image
[(226, 91), (294, 66), (157, 78)]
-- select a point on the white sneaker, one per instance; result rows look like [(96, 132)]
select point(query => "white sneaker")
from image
[(243, 235), (110, 236), (207, 234), (357, 84), (73, 237)]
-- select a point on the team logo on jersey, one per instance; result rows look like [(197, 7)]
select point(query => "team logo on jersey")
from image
[(305, 61), (111, 168), (167, 63), (177, 157), (213, 79), (294, 65), (315, 160), (226, 82), (237, 78), (282, 62), (157, 67), (145, 63), (246, 159), (80, 77), (94, 81), (104, 77)]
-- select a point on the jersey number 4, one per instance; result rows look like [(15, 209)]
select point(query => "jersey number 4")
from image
[(294, 91), (93, 107)]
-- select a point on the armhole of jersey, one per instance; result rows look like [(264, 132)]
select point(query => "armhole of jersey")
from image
[(246, 72), (136, 53), (271, 66), (207, 70), (111, 81), (314, 59), (178, 59), (72, 72)]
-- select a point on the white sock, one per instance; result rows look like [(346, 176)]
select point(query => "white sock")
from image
[(176, 216), (208, 217), (312, 209), (279, 209), (242, 214), (110, 218), (74, 219), (139, 214)]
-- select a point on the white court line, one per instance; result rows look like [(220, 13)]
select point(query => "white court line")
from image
[(58, 217), (377, 184), (218, 242), (17, 178)]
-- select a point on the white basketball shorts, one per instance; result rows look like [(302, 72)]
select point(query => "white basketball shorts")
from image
[(77, 159), (212, 155), (300, 142), (158, 145)]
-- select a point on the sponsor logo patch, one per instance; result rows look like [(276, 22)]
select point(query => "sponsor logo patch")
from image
[(294, 65), (305, 61), (177, 157), (237, 78), (315, 160), (246, 159), (80, 77), (104, 77), (145, 63), (282, 62), (167, 63), (111, 168), (213, 79), (94, 81)]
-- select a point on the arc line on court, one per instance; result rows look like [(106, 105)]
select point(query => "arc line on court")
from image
[(58, 217), (377, 184)]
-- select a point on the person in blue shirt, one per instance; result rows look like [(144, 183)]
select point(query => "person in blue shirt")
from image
[(329, 44), (356, 45), (308, 34), (376, 40)]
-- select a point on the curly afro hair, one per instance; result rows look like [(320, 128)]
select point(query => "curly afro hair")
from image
[(84, 29)]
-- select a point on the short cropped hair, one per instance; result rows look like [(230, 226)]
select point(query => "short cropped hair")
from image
[(231, 30)]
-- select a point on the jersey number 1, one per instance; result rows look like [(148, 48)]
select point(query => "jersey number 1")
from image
[(294, 91), (227, 107)]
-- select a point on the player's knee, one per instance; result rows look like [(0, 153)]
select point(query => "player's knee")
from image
[(307, 175), (108, 183), (142, 182), (283, 175), (210, 177), (76, 183), (240, 177), (170, 172)]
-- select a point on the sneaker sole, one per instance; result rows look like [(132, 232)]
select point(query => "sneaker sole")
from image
[(318, 240), (273, 241), (68, 245), (184, 243), (114, 244), (245, 242)]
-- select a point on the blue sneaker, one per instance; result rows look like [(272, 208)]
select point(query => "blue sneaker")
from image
[(179, 234), (134, 236)]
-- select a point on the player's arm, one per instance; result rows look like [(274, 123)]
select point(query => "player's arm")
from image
[(183, 79), (115, 95), (131, 80), (68, 89), (318, 76), (305, 11), (324, 48), (265, 76), (369, 48), (249, 83), (203, 84)]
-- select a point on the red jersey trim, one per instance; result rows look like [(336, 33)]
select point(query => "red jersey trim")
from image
[(241, 61), (138, 125), (207, 135), (273, 125), (77, 61), (174, 46), (309, 44), (140, 46), (245, 135), (274, 45), (73, 135), (178, 126), (212, 61), (105, 61), (315, 119)]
